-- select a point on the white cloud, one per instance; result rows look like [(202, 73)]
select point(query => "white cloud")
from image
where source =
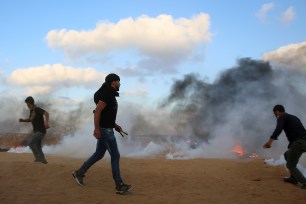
[(163, 38), (263, 11), (140, 90), (290, 56), (47, 78), (289, 15)]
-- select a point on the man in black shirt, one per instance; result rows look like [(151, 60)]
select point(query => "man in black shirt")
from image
[(39, 129), (104, 122), (296, 135)]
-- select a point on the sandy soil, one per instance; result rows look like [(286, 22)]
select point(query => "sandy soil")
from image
[(155, 181)]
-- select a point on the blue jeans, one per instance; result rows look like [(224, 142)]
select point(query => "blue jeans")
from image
[(35, 145), (108, 142)]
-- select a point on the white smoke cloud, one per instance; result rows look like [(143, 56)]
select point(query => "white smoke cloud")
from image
[(160, 40), (290, 56), (288, 16), (282, 162), (45, 79), (80, 145), (263, 11)]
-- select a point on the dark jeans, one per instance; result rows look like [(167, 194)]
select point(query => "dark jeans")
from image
[(107, 142), (292, 156), (35, 145)]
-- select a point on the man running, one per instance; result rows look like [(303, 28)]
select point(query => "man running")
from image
[(40, 125)]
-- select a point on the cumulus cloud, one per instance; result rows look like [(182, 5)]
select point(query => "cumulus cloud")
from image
[(263, 11), (45, 79), (160, 40), (289, 15), (289, 56)]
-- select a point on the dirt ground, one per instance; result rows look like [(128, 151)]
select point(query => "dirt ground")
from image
[(157, 180)]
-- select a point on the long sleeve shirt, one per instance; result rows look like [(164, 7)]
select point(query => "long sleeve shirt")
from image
[(292, 127)]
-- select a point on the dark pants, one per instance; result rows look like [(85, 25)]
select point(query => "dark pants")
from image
[(35, 145), (107, 142), (292, 156)]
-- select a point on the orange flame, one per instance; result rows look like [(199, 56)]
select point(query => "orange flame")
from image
[(238, 150)]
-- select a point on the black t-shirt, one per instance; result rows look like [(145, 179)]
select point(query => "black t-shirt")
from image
[(108, 95), (37, 117)]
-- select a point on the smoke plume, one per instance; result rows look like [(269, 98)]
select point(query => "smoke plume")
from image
[(235, 109)]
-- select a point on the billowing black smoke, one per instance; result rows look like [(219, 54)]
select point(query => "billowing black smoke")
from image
[(238, 105)]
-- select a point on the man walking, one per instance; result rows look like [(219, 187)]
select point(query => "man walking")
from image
[(40, 125), (104, 122), (296, 135)]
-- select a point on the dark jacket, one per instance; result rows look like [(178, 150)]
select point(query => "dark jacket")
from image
[(292, 127)]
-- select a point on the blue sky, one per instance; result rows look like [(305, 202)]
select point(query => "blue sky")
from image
[(64, 49)]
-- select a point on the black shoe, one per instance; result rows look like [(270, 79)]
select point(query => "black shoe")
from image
[(41, 161), (78, 178), (123, 188), (44, 161), (291, 180), (303, 186)]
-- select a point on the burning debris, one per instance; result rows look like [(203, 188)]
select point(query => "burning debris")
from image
[(242, 153), (238, 150)]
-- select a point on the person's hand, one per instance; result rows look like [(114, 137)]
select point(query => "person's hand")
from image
[(118, 128), (96, 133), (268, 144), (20, 120)]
